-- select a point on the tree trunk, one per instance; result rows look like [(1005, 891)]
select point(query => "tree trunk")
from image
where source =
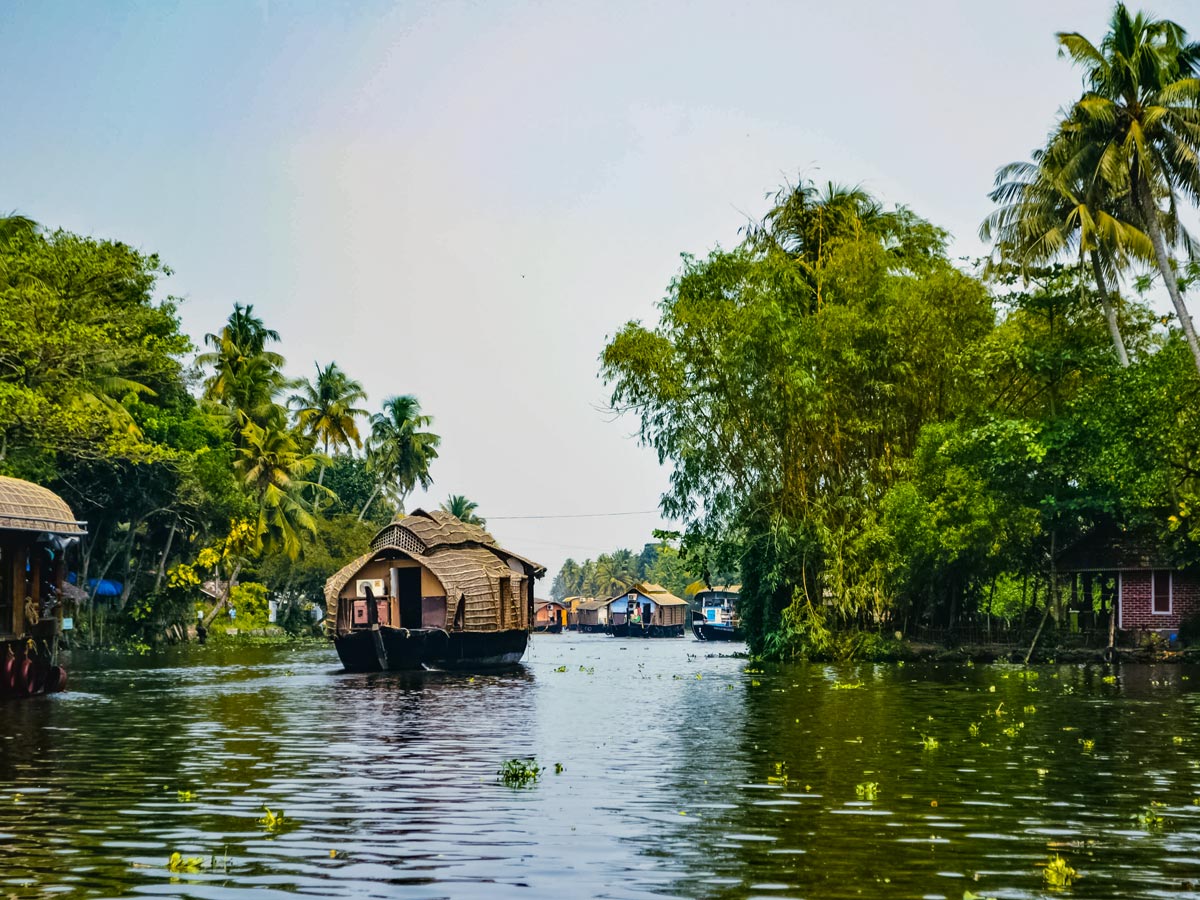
[(1154, 229), (367, 505), (162, 563), (1110, 312), (224, 598)]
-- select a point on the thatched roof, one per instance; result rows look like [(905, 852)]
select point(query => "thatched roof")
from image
[(25, 506), (596, 604), (657, 593), (465, 558)]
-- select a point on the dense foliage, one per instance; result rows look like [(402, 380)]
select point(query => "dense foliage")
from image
[(186, 471), (878, 440)]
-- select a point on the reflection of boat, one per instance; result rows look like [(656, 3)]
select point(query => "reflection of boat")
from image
[(432, 591), (36, 526), (647, 610), (717, 619)]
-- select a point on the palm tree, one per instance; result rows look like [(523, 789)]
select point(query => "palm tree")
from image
[(1141, 115), (246, 377), (325, 410), (398, 452), (463, 510), (1051, 206), (274, 468)]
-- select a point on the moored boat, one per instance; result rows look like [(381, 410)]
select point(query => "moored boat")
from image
[(432, 592), (36, 526), (646, 610), (716, 618)]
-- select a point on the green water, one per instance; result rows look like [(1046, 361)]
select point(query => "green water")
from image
[(727, 785)]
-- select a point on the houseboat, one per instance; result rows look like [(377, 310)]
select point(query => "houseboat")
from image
[(592, 616), (647, 610), (716, 618), (432, 591), (36, 527), (549, 616)]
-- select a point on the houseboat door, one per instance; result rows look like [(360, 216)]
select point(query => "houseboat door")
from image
[(408, 593)]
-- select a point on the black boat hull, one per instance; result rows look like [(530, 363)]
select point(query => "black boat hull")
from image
[(705, 631), (385, 649), (625, 630)]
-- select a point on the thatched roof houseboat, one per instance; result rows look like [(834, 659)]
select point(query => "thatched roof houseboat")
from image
[(647, 610), (593, 615), (432, 590), (36, 526), (549, 616), (715, 617)]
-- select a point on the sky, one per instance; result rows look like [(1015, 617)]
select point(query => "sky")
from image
[(464, 200)]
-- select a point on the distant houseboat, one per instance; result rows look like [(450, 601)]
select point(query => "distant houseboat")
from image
[(716, 618), (647, 610), (36, 525), (592, 616), (432, 591), (549, 616)]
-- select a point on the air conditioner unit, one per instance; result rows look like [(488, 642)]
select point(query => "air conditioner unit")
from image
[(375, 584)]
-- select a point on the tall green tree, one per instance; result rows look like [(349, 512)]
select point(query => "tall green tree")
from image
[(463, 509), (399, 451), (325, 411), (246, 377), (1140, 118)]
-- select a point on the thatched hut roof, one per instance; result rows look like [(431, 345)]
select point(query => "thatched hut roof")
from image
[(465, 558), (657, 593), (25, 506)]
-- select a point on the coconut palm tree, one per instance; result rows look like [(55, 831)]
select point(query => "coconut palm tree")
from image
[(1051, 206), (463, 510), (274, 468), (1141, 115), (325, 410), (246, 377), (398, 451)]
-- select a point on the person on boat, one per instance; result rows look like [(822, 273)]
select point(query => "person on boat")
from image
[(635, 614)]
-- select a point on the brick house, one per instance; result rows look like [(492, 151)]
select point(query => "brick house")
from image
[(1133, 572)]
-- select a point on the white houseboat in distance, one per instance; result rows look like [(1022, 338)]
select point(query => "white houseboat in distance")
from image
[(432, 591)]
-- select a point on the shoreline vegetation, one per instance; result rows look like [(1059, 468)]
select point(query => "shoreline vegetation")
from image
[(879, 438)]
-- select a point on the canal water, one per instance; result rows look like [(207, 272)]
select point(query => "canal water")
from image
[(683, 774)]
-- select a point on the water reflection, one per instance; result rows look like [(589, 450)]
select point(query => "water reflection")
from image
[(682, 776)]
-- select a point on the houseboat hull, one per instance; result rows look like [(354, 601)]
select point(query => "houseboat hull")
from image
[(625, 630), (548, 629), (706, 631), (401, 649)]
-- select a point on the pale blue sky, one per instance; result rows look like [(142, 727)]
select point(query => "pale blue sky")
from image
[(462, 200)]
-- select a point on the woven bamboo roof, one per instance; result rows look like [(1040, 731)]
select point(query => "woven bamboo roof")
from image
[(25, 506), (657, 593), (466, 560)]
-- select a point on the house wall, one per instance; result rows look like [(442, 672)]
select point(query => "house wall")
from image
[(1135, 606), (379, 568)]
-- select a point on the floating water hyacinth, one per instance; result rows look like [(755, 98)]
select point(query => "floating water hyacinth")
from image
[(561, 669), (274, 821), (868, 790), (558, 768), (179, 863), (929, 743), (847, 685), (1058, 874), (1088, 744), (185, 796), (973, 729), (780, 776), (519, 772), (1150, 818)]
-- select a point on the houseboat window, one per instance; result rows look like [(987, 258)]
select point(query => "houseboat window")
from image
[(1162, 591)]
